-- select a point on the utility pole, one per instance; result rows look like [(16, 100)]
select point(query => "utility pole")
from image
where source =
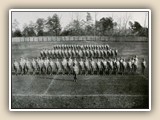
[(71, 36), (95, 26), (78, 22), (145, 19)]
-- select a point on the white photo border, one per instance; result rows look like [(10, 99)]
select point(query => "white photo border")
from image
[(79, 10)]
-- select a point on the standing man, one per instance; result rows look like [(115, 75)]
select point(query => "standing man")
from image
[(59, 66), (16, 67), (64, 64), (129, 65), (104, 66), (34, 67), (99, 63), (82, 69), (75, 71), (70, 64), (135, 64), (22, 64), (46, 64), (94, 66), (143, 65), (28, 66)]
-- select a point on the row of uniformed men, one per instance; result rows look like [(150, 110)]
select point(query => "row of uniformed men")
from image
[(69, 66), (59, 53), (86, 47)]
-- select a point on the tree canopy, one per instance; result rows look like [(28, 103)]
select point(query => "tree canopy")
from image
[(51, 26), (137, 29)]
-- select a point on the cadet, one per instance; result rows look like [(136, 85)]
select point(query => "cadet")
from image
[(143, 65)]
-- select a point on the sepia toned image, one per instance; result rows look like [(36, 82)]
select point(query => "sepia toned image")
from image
[(80, 60)]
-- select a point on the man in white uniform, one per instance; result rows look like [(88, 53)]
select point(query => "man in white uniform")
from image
[(16, 67), (143, 65)]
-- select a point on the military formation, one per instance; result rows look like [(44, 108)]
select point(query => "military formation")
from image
[(79, 51), (78, 60)]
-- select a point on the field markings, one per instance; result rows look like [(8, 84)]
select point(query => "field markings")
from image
[(49, 85), (92, 42), (94, 95), (145, 77)]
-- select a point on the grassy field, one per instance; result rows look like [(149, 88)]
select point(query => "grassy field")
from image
[(92, 91)]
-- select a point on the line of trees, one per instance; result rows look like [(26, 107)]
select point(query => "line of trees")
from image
[(106, 26)]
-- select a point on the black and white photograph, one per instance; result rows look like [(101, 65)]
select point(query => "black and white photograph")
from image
[(79, 60)]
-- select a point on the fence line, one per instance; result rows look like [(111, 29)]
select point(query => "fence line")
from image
[(79, 38)]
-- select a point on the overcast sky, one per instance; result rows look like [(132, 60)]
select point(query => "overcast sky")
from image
[(66, 17)]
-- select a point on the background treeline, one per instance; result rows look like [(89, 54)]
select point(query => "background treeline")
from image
[(106, 26)]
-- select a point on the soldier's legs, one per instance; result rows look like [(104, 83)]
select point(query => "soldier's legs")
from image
[(99, 71), (86, 72), (44, 70), (49, 70), (41, 70), (81, 71), (143, 71), (64, 71), (25, 70), (135, 69), (75, 77), (92, 71), (57, 72), (70, 71), (33, 70), (15, 70)]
